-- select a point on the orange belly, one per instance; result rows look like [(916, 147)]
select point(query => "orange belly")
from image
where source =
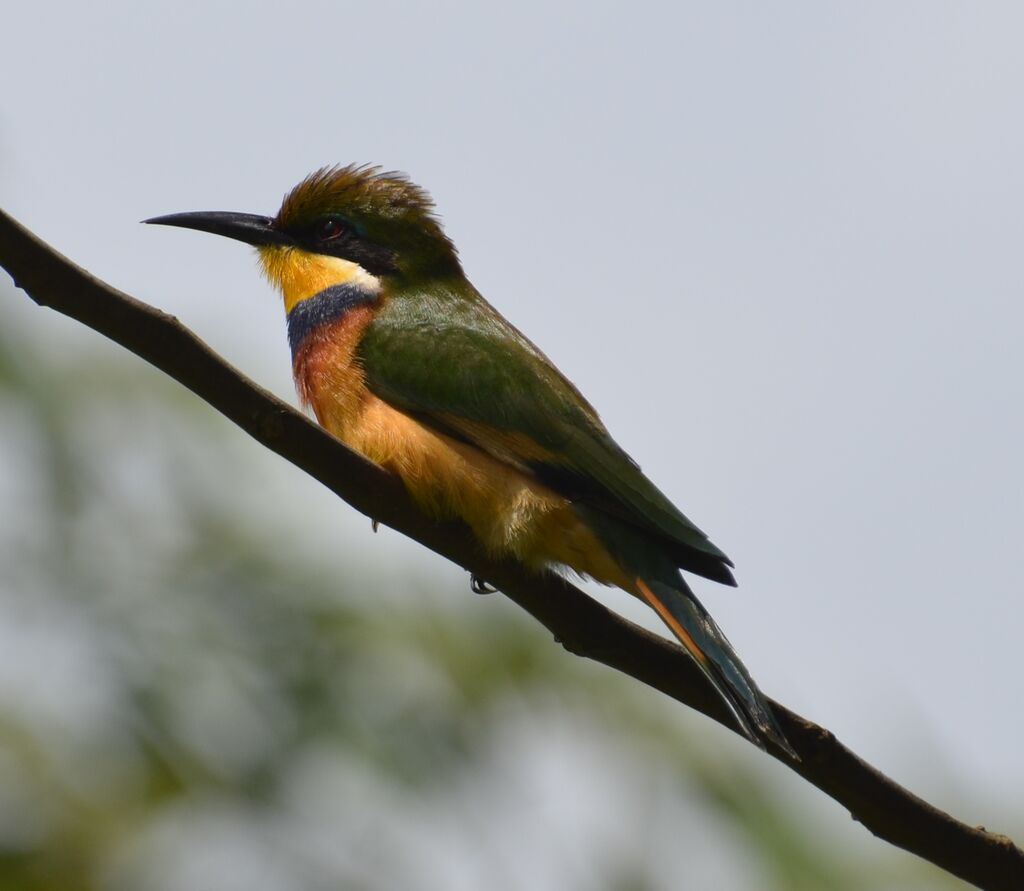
[(511, 514)]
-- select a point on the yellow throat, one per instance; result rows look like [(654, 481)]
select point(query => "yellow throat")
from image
[(299, 274)]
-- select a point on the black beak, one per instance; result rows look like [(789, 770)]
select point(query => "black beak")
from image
[(247, 227)]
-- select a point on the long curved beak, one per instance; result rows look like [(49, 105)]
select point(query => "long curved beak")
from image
[(248, 227)]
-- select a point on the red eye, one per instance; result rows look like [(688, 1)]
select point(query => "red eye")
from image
[(330, 228)]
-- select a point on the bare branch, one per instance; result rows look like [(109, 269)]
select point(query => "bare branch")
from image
[(579, 623)]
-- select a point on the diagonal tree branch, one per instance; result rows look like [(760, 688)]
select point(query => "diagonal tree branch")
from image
[(579, 623)]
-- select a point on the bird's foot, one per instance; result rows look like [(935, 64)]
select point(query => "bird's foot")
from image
[(479, 586)]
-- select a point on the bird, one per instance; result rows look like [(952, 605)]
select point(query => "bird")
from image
[(404, 361)]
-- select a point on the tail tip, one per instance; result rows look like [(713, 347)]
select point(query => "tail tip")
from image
[(765, 731)]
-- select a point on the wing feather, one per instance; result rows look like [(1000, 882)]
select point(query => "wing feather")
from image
[(444, 355)]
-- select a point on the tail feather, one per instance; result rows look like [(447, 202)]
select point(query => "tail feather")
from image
[(680, 610)]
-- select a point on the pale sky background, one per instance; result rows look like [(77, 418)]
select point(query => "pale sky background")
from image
[(777, 245)]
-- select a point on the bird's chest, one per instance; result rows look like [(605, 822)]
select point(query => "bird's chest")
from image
[(327, 376)]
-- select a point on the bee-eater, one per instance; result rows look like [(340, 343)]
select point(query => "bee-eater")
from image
[(403, 360)]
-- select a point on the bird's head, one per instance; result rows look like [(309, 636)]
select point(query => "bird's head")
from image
[(339, 225)]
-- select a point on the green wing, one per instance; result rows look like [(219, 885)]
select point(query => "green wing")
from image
[(444, 355)]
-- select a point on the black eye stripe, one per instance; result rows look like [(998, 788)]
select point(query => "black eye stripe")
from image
[(337, 236)]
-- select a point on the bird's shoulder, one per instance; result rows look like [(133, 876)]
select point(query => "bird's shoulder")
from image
[(445, 347)]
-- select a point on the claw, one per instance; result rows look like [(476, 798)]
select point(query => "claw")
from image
[(375, 525), (479, 586)]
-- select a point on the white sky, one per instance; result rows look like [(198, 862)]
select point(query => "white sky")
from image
[(778, 246)]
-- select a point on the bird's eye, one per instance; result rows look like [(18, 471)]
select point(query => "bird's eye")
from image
[(330, 228)]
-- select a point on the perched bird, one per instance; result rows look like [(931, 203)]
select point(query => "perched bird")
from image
[(403, 360)]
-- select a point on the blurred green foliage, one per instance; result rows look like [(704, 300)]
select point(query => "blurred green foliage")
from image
[(187, 703)]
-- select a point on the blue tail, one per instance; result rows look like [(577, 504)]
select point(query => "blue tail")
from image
[(655, 578), (705, 642)]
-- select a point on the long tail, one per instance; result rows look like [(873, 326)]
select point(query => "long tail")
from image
[(703, 639)]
